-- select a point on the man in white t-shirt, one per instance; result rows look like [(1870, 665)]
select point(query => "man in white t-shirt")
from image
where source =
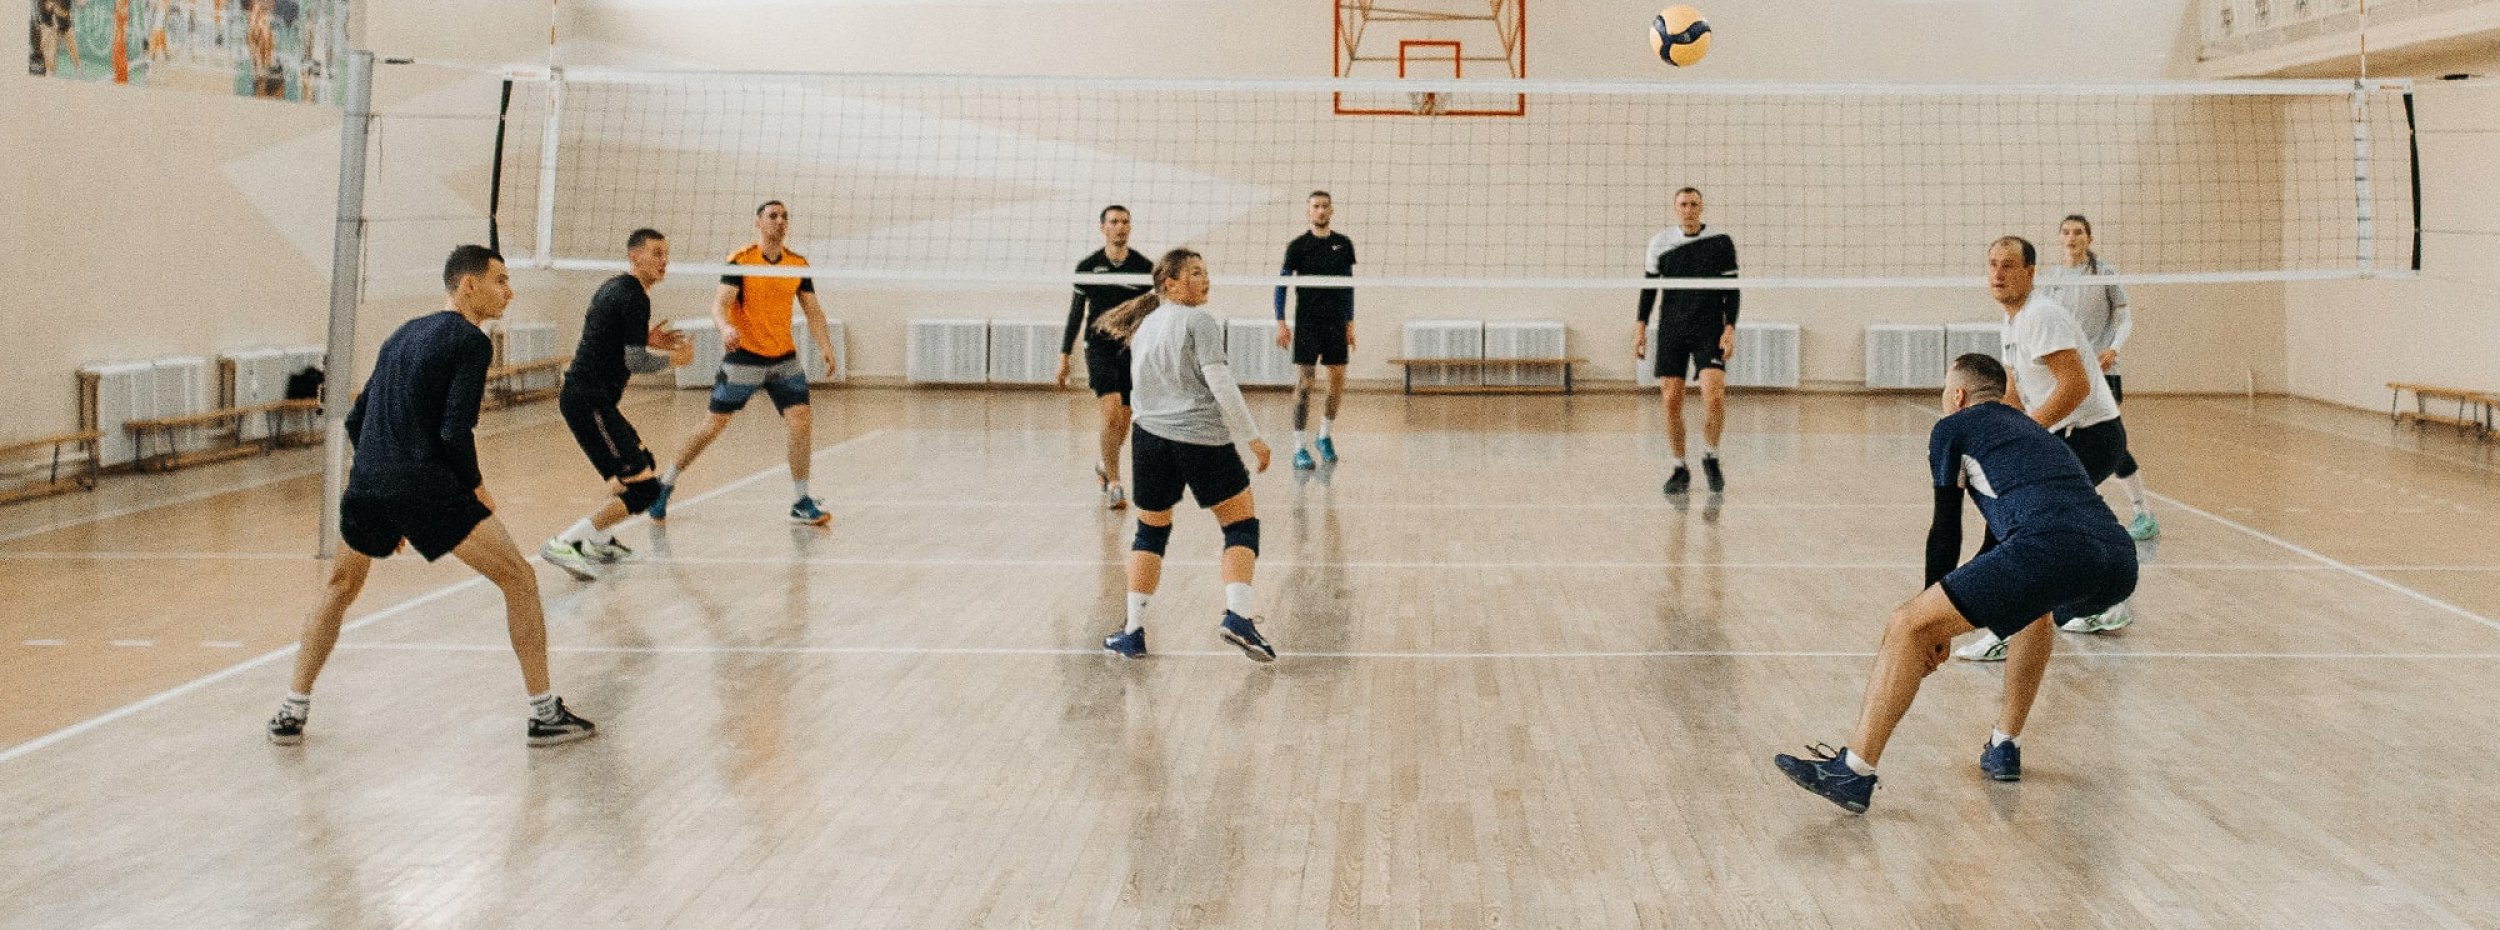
[(2045, 353)]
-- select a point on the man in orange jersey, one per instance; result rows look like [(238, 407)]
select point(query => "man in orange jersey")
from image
[(753, 312)]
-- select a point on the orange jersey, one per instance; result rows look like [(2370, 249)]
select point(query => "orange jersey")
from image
[(762, 311)]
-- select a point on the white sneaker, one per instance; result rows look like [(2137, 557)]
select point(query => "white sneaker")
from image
[(605, 553), (2114, 618), (1987, 648), (566, 556)]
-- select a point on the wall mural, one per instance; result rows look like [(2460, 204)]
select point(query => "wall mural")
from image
[(279, 49)]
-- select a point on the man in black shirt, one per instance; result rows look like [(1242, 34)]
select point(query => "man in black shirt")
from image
[(1323, 324), (1106, 358), (617, 339), (1696, 332), (415, 482)]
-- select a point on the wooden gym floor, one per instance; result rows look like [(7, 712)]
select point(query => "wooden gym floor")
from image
[(1519, 688)]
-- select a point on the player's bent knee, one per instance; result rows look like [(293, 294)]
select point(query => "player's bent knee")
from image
[(1242, 534), (1152, 539), (640, 494)]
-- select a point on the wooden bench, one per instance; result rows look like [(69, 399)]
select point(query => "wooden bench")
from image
[(82, 477), (503, 381), (2474, 408), (227, 422), (1410, 364)]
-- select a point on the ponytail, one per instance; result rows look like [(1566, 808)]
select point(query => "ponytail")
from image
[(1121, 322)]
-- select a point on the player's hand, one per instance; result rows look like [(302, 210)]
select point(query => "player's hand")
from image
[(1640, 342), (1062, 377), (830, 368), (2109, 357), (1349, 336), (1727, 342), (729, 339), (1284, 335), (1258, 447)]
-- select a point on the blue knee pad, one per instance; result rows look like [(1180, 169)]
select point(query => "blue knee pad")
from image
[(640, 495), (1242, 535), (1151, 539)]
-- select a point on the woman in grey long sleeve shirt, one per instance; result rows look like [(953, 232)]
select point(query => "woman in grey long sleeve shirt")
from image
[(2107, 321)]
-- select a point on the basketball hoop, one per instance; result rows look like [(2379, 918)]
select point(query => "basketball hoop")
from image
[(1427, 103)]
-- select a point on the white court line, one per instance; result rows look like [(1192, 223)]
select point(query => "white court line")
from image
[(1458, 566), (1289, 654), (1289, 504), (39, 743), (2322, 559)]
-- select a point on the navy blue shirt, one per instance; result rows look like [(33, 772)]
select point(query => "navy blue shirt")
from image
[(2022, 476), (1311, 255), (414, 424)]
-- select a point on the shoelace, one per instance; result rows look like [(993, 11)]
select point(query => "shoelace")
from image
[(1823, 752)]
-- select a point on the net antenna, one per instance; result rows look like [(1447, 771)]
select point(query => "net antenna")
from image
[(1443, 40)]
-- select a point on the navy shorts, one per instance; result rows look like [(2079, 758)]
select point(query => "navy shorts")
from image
[(2070, 573), (433, 520), (1680, 353), (1160, 468), (783, 379)]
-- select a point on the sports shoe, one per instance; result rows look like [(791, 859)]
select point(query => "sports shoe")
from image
[(2114, 618), (1129, 645), (806, 511), (286, 729), (1987, 648), (1302, 460), (1710, 472), (2144, 527), (1114, 497), (605, 553), (569, 557), (2002, 761), (658, 510), (1825, 774), (565, 728), (1679, 482), (1327, 450), (1239, 631)]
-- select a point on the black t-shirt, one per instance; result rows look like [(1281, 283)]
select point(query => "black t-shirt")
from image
[(1311, 255), (1709, 254), (1091, 301), (414, 424), (619, 319)]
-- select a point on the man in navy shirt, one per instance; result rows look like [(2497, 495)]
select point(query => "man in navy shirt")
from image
[(415, 483), (2056, 545), (1322, 332)]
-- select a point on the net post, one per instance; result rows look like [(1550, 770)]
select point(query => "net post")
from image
[(347, 247), (545, 246), (2365, 240)]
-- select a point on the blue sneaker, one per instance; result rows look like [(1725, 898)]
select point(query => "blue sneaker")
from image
[(1239, 631), (2002, 761), (1827, 775), (1302, 460), (806, 511), (2144, 527), (1131, 645), (659, 505), (1327, 450)]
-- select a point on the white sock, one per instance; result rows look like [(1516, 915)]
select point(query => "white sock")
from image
[(1709, 451), (1327, 427), (1297, 441), (581, 532), (1998, 736), (298, 706), (1238, 600), (799, 487), (602, 537), (669, 475), (1850, 758), (543, 706), (1137, 611), (2136, 493)]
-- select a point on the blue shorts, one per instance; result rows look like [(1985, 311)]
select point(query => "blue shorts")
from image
[(783, 379), (2065, 572)]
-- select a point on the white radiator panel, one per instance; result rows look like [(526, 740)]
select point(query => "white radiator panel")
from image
[(259, 378), (125, 391), (805, 340), (1766, 355), (947, 351), (1250, 347), (1524, 339), (700, 372), (1900, 355), (1024, 351), (1444, 339), (1964, 338), (184, 386), (530, 342)]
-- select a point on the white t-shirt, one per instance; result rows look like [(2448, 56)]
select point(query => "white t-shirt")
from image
[(2044, 328)]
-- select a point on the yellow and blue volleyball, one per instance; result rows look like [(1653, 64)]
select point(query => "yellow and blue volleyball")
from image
[(1680, 36)]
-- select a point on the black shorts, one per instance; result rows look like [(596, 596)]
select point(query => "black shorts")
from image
[(1106, 368), (2069, 573), (434, 520), (605, 435), (2117, 393), (1159, 468), (1681, 352), (2101, 447), (1319, 342)]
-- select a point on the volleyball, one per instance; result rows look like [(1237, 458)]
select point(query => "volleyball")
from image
[(1680, 36)]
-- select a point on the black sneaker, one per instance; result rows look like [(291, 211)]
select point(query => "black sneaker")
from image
[(1821, 771), (286, 729), (1679, 482), (565, 728), (1710, 472)]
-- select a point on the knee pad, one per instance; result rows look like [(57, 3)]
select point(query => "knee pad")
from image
[(1242, 535), (640, 495), (1151, 538)]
